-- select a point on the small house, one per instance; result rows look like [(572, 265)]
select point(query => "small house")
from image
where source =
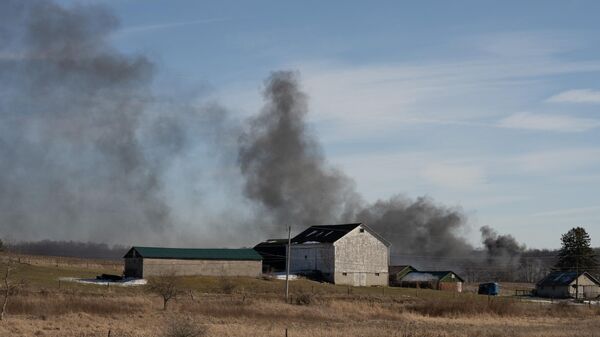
[(142, 262), (569, 284), (398, 272), (437, 280), (350, 254)]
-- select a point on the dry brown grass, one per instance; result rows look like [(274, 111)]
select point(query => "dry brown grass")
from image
[(256, 308), (53, 304)]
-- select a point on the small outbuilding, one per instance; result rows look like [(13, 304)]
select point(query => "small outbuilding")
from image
[(568, 284), (438, 280), (142, 262), (398, 272)]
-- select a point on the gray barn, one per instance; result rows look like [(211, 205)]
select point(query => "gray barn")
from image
[(351, 254), (559, 284), (142, 262)]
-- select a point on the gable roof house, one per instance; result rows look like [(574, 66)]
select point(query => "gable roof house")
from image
[(437, 280), (398, 272), (561, 284), (351, 254), (142, 262)]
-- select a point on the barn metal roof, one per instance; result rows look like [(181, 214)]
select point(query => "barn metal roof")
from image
[(194, 253), (417, 276), (331, 233), (563, 278), (272, 243)]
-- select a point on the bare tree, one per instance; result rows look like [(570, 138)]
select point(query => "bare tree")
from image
[(9, 287), (166, 286)]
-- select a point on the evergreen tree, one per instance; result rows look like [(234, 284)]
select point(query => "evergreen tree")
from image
[(576, 253)]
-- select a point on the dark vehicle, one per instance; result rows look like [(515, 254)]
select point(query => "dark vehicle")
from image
[(490, 288), (109, 277)]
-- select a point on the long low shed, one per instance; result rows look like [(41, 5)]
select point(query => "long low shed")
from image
[(142, 262)]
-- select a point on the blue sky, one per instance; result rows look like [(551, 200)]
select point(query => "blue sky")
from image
[(493, 106)]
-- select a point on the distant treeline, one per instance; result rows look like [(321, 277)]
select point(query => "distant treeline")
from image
[(90, 250)]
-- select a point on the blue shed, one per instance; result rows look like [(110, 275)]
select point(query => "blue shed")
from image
[(490, 288)]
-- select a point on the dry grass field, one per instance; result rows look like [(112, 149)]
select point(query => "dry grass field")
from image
[(254, 307)]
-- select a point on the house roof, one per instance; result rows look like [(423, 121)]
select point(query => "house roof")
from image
[(401, 269), (272, 243), (194, 253), (424, 275), (563, 278), (331, 233)]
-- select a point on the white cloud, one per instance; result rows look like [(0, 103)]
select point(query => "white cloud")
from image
[(576, 96), (454, 175), (544, 122), (153, 27), (554, 161), (570, 212)]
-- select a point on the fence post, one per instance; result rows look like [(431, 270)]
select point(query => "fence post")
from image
[(286, 333)]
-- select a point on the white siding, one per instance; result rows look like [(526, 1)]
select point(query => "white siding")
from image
[(361, 259)]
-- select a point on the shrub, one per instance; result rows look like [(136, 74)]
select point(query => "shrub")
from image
[(184, 327), (304, 299), (226, 285)]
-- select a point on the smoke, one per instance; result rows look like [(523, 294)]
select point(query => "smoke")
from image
[(287, 175), (86, 149), (500, 247), (75, 158), (283, 165), (418, 227)]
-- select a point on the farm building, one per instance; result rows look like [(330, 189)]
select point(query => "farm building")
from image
[(560, 284), (273, 252), (351, 254), (407, 276), (142, 262), (397, 272)]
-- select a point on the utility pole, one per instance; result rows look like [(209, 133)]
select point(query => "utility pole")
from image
[(287, 265), (577, 279)]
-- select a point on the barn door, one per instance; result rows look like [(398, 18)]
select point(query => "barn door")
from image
[(363, 279)]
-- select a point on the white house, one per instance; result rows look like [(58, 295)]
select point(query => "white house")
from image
[(351, 254), (564, 284)]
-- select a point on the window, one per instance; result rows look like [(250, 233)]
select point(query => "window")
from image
[(362, 230), (305, 257), (376, 274), (345, 274)]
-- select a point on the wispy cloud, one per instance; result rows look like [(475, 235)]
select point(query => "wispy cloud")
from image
[(552, 162), (576, 96), (153, 27), (454, 175), (569, 211), (544, 122)]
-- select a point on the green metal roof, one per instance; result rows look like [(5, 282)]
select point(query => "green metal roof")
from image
[(195, 253)]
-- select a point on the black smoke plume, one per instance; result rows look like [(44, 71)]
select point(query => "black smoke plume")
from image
[(287, 174), (283, 165), (73, 157), (85, 146)]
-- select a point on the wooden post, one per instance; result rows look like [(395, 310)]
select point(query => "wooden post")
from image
[(286, 334), (287, 265)]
